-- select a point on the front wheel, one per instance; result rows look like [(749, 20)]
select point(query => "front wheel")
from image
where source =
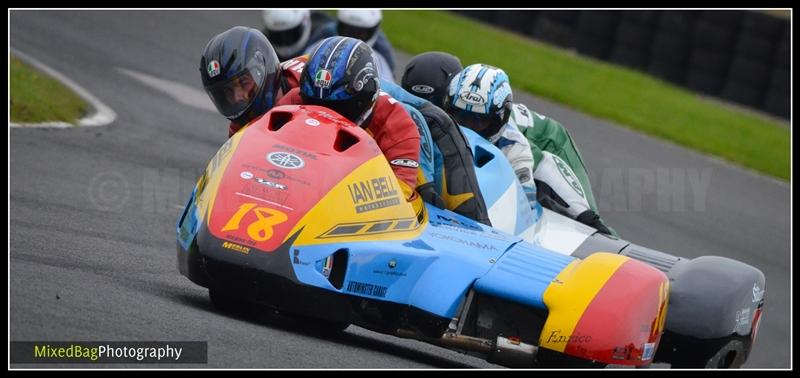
[(227, 302)]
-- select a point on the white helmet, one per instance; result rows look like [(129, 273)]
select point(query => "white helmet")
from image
[(362, 24), (288, 30)]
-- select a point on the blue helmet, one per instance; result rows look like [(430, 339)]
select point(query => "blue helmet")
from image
[(480, 98), (241, 73), (342, 76)]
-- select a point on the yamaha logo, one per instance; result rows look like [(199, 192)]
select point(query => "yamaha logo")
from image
[(285, 160), (421, 88), (472, 98)]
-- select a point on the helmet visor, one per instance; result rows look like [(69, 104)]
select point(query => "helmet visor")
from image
[(286, 37), (235, 94), (474, 121), (367, 35)]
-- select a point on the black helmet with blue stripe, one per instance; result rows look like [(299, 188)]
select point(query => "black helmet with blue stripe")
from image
[(342, 76), (480, 98), (241, 73)]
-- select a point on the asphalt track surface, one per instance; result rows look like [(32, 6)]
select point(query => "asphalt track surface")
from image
[(93, 210)]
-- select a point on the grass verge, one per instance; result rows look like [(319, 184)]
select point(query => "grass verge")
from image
[(36, 97), (627, 97)]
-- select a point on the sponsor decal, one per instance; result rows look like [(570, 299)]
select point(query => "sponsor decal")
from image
[(312, 122), (322, 79), (368, 289), (240, 240), (647, 351), (742, 320), (373, 194), (442, 220), (622, 352), (421, 88), (236, 247), (327, 266), (294, 65), (276, 174), (405, 163), (468, 243), (246, 175), (566, 172), (472, 98), (296, 151), (296, 259), (370, 228), (271, 184), (285, 160), (758, 293), (556, 337), (213, 68), (265, 193)]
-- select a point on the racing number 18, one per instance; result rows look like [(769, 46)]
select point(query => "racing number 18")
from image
[(261, 229)]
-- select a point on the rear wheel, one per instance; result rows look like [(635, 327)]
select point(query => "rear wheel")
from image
[(688, 352)]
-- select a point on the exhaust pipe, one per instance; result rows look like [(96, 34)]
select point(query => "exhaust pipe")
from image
[(510, 352)]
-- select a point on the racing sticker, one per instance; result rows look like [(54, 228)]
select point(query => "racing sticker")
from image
[(368, 289), (322, 79), (422, 88), (371, 228), (405, 163), (285, 160), (213, 68), (236, 247), (262, 228), (373, 194), (297, 151), (566, 172)]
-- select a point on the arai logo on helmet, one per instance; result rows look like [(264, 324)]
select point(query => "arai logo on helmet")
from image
[(472, 98), (213, 68), (322, 79), (421, 88)]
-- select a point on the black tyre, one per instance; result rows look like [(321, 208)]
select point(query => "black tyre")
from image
[(319, 325), (597, 23), (763, 25), (742, 93), (782, 57), (754, 47), (679, 23), (704, 81), (546, 358), (629, 57), (730, 356), (712, 37), (692, 353), (634, 36), (553, 32), (749, 72), (519, 21)]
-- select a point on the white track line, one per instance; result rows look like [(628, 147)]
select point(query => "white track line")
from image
[(102, 115)]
